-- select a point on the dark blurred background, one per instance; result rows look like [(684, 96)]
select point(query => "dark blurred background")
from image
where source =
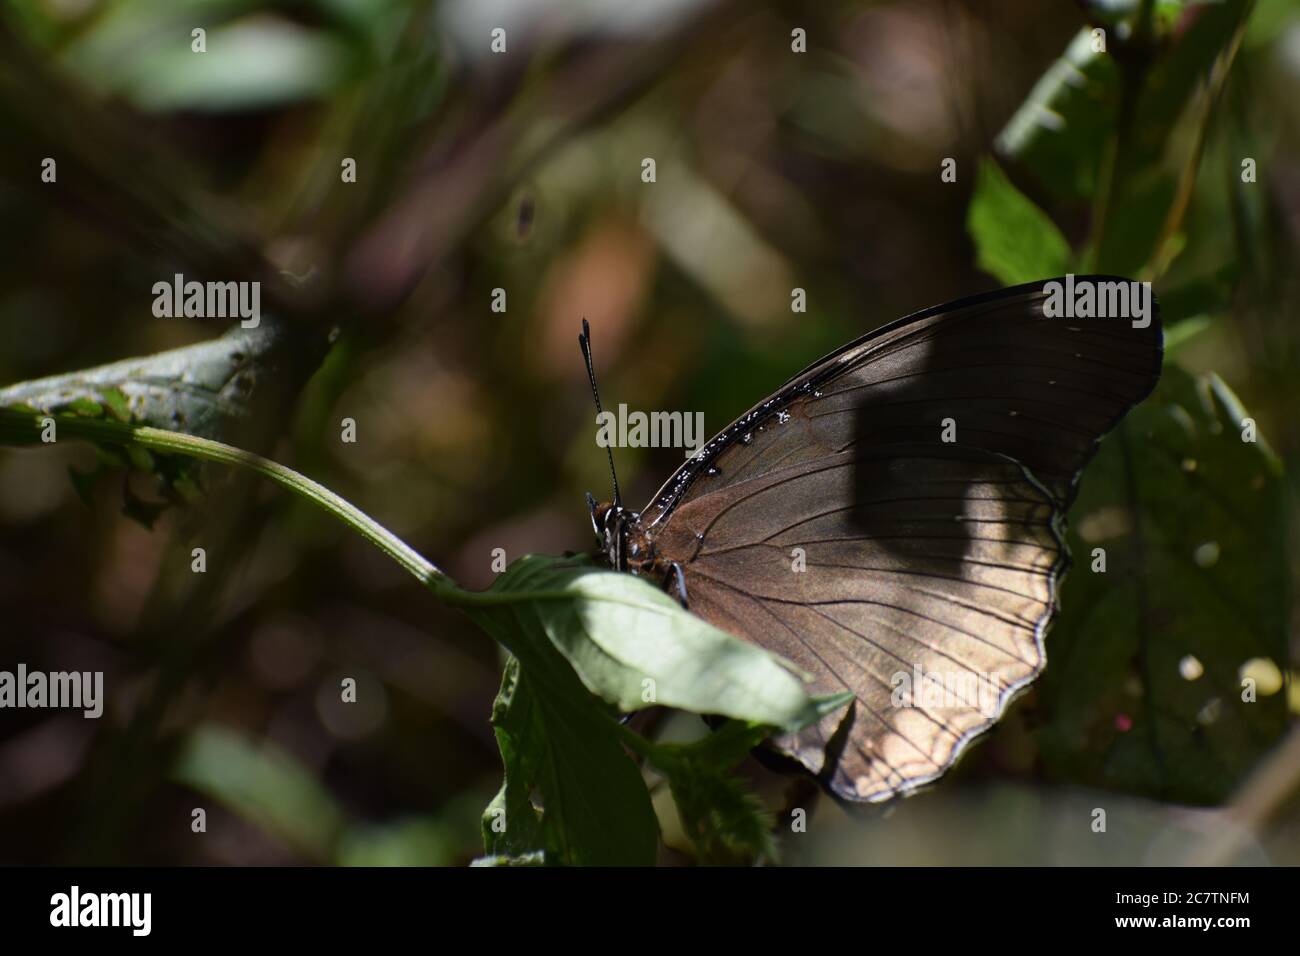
[(476, 172)]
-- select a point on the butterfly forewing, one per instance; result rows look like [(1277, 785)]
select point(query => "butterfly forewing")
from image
[(890, 521)]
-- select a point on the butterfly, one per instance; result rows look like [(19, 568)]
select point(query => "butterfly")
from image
[(891, 519)]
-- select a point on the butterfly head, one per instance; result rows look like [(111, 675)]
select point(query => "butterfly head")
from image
[(611, 522)]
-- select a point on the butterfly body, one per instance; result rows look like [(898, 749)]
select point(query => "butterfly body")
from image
[(891, 521)]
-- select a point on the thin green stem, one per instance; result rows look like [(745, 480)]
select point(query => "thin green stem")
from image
[(22, 427), (1164, 250), (1133, 65)]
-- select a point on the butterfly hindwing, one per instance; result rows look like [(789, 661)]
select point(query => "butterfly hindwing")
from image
[(948, 573)]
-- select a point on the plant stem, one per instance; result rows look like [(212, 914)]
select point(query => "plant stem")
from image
[(1133, 65), (22, 427), (1162, 254)]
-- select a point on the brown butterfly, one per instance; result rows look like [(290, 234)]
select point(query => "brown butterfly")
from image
[(891, 519)]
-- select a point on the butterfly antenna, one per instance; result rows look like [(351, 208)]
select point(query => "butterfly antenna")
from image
[(584, 340)]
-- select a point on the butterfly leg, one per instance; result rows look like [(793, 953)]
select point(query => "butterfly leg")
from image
[(678, 580)]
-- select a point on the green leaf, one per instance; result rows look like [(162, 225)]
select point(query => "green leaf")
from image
[(263, 785), (556, 739), (1062, 127), (204, 389), (1143, 688), (1184, 332), (1015, 241), (729, 744), (1147, 169), (186, 489), (141, 460), (252, 63), (633, 645), (406, 842), (1183, 64), (1066, 125), (511, 824), (85, 407), (725, 821), (565, 619), (116, 402), (1207, 293), (1133, 226), (200, 389)]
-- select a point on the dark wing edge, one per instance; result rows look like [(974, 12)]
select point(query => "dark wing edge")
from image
[(832, 366)]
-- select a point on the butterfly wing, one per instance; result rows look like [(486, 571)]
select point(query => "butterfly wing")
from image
[(890, 521)]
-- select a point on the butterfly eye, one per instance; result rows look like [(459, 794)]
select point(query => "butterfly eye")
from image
[(599, 516)]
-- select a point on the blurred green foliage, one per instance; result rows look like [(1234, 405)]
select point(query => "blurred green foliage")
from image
[(1014, 240)]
